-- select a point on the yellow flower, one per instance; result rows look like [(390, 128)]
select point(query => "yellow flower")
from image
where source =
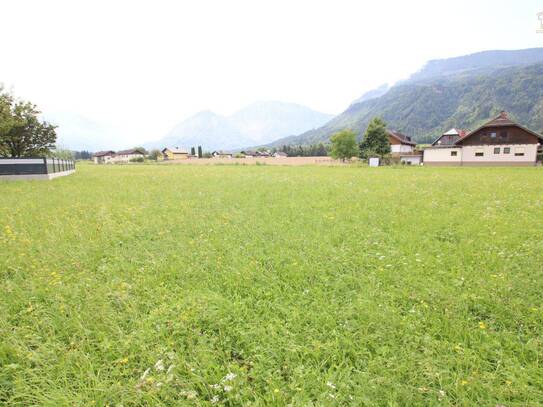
[(482, 325), (464, 382)]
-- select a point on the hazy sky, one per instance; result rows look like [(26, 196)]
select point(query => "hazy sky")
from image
[(139, 67)]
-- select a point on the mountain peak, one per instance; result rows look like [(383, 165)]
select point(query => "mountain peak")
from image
[(258, 123)]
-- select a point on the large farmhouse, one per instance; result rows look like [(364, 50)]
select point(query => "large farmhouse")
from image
[(126, 156), (501, 142), (175, 154), (103, 157)]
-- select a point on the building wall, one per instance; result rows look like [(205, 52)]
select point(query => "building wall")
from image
[(442, 156), (411, 159), (400, 148), (489, 156), (469, 155)]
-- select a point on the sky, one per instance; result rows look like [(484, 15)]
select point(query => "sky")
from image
[(133, 69)]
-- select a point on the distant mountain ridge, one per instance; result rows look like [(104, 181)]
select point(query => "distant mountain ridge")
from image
[(258, 123), (457, 92), (477, 63)]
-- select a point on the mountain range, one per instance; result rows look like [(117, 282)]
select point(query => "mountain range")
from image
[(256, 124), (460, 92)]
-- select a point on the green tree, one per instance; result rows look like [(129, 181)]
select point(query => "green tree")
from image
[(22, 133), (154, 154), (62, 153), (192, 151), (200, 152), (344, 145), (375, 141)]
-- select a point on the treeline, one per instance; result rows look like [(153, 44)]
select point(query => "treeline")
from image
[(313, 150)]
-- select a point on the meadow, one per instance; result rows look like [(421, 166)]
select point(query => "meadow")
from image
[(150, 285)]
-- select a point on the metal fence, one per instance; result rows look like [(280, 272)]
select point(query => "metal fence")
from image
[(35, 166)]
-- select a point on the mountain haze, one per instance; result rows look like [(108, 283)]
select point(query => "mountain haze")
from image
[(459, 92), (258, 123)]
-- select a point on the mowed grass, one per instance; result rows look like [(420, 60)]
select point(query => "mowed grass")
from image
[(234, 285)]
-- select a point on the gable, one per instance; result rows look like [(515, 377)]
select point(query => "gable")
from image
[(500, 134)]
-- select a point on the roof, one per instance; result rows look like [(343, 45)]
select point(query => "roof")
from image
[(176, 150), (103, 153), (502, 120), (402, 138), (452, 132), (130, 152)]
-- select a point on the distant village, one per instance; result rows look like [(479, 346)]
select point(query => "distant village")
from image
[(501, 141)]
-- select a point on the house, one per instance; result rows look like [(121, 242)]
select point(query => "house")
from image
[(175, 154), (249, 154), (103, 157), (400, 143), (221, 154), (126, 156), (280, 154), (450, 137), (500, 142), (403, 148)]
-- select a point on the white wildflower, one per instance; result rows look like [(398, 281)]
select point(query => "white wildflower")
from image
[(159, 365), (189, 394), (145, 374), (215, 400), (227, 388), (331, 385), (229, 377), (215, 386)]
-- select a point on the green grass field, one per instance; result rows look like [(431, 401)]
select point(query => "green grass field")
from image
[(235, 285)]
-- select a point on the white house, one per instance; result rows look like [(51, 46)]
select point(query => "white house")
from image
[(400, 143), (500, 142), (126, 156), (103, 157)]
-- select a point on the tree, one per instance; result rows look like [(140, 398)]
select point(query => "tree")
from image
[(200, 152), (154, 154), (192, 151), (22, 133), (141, 150), (344, 145), (62, 153), (375, 142)]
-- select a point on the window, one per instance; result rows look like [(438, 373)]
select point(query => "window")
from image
[(492, 135), (479, 152), (496, 150), (519, 152), (507, 150), (503, 135), (454, 153)]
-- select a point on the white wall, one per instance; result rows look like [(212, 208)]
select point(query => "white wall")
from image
[(443, 155), (400, 148), (530, 154), (466, 155)]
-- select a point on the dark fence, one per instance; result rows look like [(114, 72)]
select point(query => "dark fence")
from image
[(34, 166)]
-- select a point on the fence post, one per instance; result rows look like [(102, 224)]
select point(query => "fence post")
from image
[(45, 165)]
